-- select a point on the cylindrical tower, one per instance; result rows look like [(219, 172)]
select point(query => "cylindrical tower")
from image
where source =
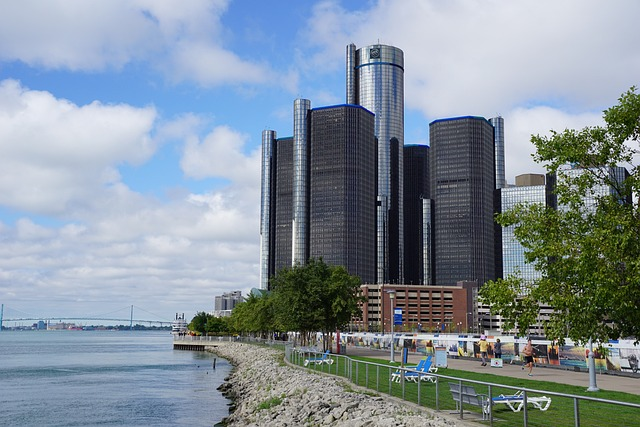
[(378, 86), (268, 142), (498, 126), (352, 93), (299, 244)]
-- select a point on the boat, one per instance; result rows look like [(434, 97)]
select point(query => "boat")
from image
[(179, 325)]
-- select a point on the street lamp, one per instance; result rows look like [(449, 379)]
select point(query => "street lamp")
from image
[(392, 295)]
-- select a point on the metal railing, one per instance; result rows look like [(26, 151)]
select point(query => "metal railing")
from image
[(378, 377)]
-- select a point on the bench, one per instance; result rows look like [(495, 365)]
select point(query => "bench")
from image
[(466, 395)]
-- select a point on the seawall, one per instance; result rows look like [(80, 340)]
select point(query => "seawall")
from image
[(268, 392)]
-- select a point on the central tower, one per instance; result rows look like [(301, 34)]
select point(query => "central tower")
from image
[(375, 80)]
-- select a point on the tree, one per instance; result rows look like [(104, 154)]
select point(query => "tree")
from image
[(588, 253), (199, 322), (315, 297)]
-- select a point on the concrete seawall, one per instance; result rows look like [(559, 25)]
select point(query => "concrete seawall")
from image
[(270, 393)]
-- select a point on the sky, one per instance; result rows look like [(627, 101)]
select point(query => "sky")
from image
[(130, 130)]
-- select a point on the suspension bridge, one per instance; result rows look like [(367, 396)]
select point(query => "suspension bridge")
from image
[(114, 316)]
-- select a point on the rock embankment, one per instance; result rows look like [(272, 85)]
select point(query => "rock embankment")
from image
[(268, 393)]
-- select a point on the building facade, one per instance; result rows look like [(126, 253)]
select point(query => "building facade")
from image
[(375, 80), (342, 215), (417, 216), (462, 164)]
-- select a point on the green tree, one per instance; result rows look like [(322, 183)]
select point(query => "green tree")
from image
[(588, 256), (315, 297), (199, 322)]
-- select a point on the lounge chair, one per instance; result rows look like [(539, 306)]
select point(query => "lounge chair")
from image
[(515, 402), (397, 375), (422, 374), (319, 360)]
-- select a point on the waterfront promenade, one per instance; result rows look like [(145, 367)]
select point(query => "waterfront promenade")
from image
[(629, 383), (622, 383)]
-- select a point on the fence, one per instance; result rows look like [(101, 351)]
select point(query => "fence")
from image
[(476, 399)]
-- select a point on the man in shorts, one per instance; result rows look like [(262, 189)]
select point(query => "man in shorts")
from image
[(527, 352)]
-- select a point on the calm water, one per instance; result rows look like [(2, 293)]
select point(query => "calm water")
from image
[(91, 378)]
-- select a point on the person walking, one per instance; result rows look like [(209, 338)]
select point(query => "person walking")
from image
[(497, 349), (527, 351), (484, 346)]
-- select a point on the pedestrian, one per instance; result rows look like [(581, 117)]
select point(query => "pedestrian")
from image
[(527, 351), (497, 349), (484, 346)]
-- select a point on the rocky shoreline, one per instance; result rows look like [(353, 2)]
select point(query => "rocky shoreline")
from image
[(267, 392)]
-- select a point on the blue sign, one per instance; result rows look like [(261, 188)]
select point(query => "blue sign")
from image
[(397, 316)]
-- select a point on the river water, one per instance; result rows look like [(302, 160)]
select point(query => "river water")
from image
[(105, 378)]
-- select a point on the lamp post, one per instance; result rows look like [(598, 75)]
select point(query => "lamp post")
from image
[(392, 295)]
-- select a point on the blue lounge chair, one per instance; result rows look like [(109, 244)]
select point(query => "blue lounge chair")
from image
[(319, 360), (397, 375), (422, 374)]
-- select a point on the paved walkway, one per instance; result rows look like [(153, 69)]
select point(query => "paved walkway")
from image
[(621, 383)]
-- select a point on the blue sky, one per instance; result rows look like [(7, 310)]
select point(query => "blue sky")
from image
[(130, 130)]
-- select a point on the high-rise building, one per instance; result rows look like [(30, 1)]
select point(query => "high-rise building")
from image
[(498, 126), (417, 216), (321, 191), (462, 167), (529, 189), (276, 208), (342, 213), (226, 302), (375, 80)]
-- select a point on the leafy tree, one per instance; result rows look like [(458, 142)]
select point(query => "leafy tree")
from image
[(199, 322), (588, 256), (315, 297)]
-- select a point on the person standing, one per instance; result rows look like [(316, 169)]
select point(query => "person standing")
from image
[(527, 351), (484, 346), (497, 349)]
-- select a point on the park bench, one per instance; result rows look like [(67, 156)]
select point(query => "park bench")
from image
[(467, 395)]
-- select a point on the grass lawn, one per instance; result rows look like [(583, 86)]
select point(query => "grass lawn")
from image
[(560, 413)]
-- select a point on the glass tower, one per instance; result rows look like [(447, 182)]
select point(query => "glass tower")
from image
[(299, 247), (498, 126), (266, 217), (375, 80), (342, 220), (462, 166)]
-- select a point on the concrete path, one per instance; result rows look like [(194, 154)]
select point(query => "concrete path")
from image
[(626, 384)]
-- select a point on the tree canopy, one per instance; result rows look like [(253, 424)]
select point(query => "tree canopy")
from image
[(310, 298), (588, 249)]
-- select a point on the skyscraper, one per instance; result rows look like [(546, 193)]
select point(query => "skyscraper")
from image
[(498, 126), (417, 215), (375, 80), (342, 211), (318, 191), (462, 167)]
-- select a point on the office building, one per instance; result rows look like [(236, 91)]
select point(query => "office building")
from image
[(342, 214), (498, 126), (462, 167), (321, 184), (375, 80), (226, 302), (417, 216)]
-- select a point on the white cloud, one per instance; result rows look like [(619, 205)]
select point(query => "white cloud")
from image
[(107, 241), (185, 41), (521, 123), (54, 154), (220, 154), (485, 58)]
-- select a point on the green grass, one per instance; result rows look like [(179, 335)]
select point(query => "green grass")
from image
[(560, 413), (269, 403)]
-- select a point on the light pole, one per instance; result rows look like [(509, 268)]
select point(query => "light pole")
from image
[(392, 295)]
